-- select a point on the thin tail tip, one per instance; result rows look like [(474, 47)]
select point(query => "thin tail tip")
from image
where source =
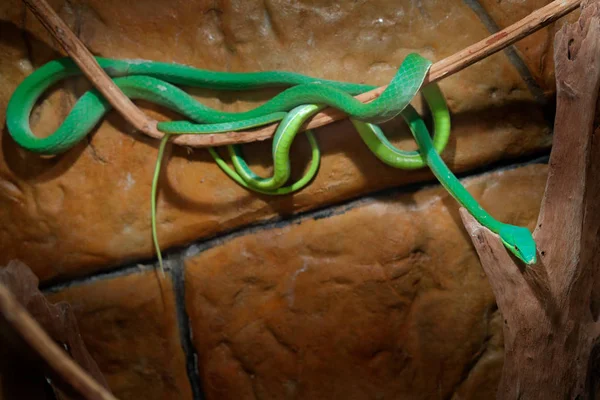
[(161, 267)]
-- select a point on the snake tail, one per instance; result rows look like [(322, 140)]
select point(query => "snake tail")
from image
[(153, 195)]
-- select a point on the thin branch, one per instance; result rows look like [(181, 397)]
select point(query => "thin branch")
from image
[(86, 62), (30, 331), (442, 69)]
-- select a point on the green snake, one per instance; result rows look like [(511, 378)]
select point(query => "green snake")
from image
[(304, 96)]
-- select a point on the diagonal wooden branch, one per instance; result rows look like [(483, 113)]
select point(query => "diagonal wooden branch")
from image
[(31, 332), (82, 56), (444, 68), (550, 310), (58, 319)]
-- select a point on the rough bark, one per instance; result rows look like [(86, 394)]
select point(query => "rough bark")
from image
[(550, 310)]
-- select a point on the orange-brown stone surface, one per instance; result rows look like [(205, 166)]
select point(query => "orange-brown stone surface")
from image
[(537, 49), (129, 325), (89, 209), (384, 298)]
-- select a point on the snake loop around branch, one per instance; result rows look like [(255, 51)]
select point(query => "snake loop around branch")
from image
[(157, 83)]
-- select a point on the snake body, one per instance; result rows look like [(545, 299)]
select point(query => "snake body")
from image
[(305, 96), (518, 240)]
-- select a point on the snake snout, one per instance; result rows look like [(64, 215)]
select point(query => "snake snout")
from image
[(520, 242)]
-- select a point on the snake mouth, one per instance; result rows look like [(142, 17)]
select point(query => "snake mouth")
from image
[(531, 260), (527, 259)]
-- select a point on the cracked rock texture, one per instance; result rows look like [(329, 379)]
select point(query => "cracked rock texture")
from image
[(129, 326), (384, 300), (89, 209)]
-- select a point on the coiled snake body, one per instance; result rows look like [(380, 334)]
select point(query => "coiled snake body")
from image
[(156, 82)]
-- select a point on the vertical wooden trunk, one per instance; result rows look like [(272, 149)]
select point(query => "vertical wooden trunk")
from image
[(550, 310)]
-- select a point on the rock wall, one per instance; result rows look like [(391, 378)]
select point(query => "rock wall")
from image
[(362, 285)]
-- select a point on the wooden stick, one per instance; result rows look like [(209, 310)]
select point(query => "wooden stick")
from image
[(86, 62), (446, 67), (31, 332)]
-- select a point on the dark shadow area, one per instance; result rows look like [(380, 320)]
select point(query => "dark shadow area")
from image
[(185, 332), (594, 372), (37, 51)]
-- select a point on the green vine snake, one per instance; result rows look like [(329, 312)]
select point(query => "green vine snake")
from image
[(305, 96)]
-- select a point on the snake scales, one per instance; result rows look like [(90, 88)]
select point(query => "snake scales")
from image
[(305, 96)]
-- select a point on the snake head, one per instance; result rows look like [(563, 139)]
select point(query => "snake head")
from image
[(520, 242)]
